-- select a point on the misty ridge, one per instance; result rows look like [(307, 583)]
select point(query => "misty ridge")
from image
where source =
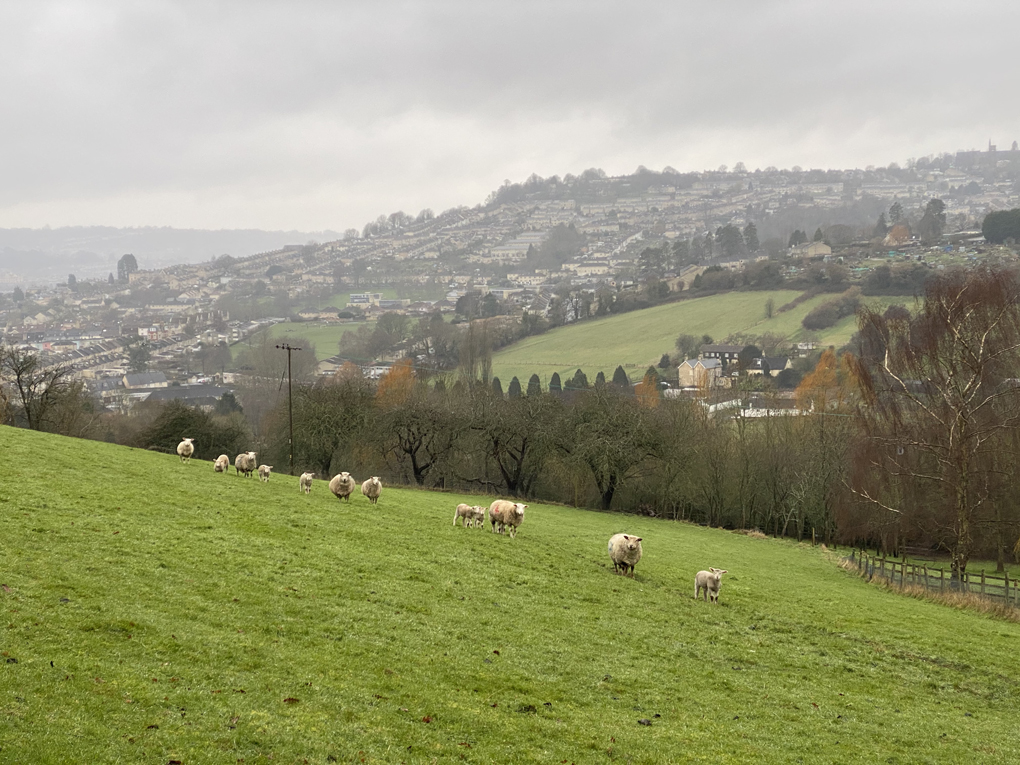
[(49, 254)]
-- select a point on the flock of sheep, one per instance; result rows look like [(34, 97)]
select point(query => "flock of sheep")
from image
[(246, 463), (505, 516), (624, 549)]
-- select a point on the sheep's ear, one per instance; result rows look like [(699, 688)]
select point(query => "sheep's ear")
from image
[(626, 536), (723, 571), (638, 539)]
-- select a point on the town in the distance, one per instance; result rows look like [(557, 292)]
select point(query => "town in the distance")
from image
[(542, 253)]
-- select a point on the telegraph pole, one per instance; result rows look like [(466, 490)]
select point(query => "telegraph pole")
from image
[(290, 402)]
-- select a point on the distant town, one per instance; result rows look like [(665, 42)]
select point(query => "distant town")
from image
[(538, 248)]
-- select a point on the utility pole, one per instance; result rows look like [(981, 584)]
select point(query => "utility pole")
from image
[(290, 402)]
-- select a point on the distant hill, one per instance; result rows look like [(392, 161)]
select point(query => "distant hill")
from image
[(49, 255)]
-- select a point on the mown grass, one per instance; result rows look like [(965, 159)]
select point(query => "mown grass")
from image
[(325, 336), (639, 338), (155, 611)]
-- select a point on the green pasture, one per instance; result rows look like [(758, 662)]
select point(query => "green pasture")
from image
[(324, 335), (159, 612), (639, 338)]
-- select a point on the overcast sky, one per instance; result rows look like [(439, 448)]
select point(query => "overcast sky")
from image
[(315, 115)]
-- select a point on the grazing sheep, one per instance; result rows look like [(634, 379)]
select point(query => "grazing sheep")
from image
[(625, 552), (342, 486), (506, 515), (185, 449), (709, 582), (245, 463), (372, 488), (305, 482), (222, 464), (264, 471)]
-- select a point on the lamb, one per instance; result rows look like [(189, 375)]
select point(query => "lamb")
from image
[(709, 582), (372, 488), (473, 515), (506, 515), (245, 463), (305, 482), (222, 464), (185, 449), (342, 485), (478, 513), (625, 552), (264, 471)]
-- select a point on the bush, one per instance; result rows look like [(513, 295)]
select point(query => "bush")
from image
[(828, 313), (213, 435)]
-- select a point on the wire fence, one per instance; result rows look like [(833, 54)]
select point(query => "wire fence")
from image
[(900, 573)]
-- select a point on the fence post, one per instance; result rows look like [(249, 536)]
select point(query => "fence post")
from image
[(942, 579), (1005, 587), (926, 576), (982, 581)]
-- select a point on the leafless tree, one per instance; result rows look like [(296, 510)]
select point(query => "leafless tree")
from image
[(941, 396), (43, 397)]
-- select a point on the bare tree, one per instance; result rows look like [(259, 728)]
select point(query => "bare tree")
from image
[(42, 397), (941, 397)]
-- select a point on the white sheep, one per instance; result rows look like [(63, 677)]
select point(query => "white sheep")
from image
[(185, 449), (222, 464), (342, 485), (709, 582), (625, 552), (245, 463), (472, 515), (305, 482), (478, 516), (264, 471), (506, 515), (372, 488)]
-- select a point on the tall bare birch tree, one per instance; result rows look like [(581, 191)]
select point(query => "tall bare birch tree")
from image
[(941, 395)]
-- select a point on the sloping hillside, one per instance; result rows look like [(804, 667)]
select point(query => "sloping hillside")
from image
[(155, 611), (639, 338)]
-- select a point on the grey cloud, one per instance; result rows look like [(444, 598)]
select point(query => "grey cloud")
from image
[(325, 114)]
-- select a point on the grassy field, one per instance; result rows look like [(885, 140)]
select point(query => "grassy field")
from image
[(155, 611), (326, 337), (639, 338)]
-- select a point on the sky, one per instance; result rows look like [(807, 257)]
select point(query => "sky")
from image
[(323, 115)]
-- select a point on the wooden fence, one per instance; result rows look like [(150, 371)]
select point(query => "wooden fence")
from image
[(903, 574)]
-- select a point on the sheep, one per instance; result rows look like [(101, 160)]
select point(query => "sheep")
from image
[(625, 552), (372, 488), (222, 464), (506, 515), (709, 582), (185, 449), (342, 485), (264, 471), (472, 515), (245, 463), (305, 482), (478, 513)]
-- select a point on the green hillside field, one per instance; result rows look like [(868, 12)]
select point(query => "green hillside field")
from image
[(638, 339), (325, 336), (159, 612)]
